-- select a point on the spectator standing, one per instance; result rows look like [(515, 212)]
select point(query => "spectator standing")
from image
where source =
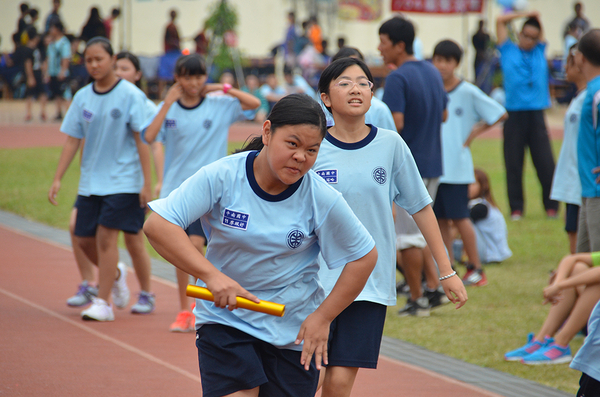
[(470, 113), (525, 71), (415, 94), (59, 58), (314, 34), (53, 17), (481, 42), (108, 22), (172, 53), (201, 40), (172, 42), (290, 40), (566, 186), (579, 19), (94, 26), (587, 59), (36, 87), (24, 19)]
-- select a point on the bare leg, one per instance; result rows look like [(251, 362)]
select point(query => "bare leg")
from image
[(245, 393), (412, 259), (579, 315), (43, 101), (561, 311), (446, 231), (338, 381), (467, 233), (108, 257), (28, 102), (140, 258), (572, 236), (80, 246)]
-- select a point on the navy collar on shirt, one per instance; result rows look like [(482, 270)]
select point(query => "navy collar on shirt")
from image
[(257, 189), (355, 145), (105, 92), (192, 107)]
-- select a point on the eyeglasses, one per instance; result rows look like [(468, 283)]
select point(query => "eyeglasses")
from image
[(349, 84), (528, 37)]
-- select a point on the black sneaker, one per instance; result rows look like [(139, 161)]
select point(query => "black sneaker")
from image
[(418, 308), (436, 298), (402, 288)]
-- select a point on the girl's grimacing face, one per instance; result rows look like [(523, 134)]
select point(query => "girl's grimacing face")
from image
[(125, 70), (291, 150), (98, 62), (191, 85), (349, 93)]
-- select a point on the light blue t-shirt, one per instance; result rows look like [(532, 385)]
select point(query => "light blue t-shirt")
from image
[(525, 77), (56, 52), (269, 244), (566, 186), (467, 105), (378, 115), (371, 175), (491, 233), (194, 137), (110, 163), (588, 140), (587, 359)]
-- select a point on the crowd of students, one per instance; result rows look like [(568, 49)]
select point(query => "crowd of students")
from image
[(338, 192)]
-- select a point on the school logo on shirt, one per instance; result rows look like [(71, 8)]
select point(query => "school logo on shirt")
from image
[(170, 123), (115, 113), (380, 175), (458, 111), (87, 115), (295, 238), (330, 176), (573, 118), (207, 124), (234, 219)]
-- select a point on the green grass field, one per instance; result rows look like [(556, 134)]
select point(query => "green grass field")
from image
[(497, 317)]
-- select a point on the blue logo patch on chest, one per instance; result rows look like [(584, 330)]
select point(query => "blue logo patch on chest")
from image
[(115, 113), (295, 238), (380, 175), (87, 115), (170, 123), (207, 124), (458, 111), (234, 219), (573, 118), (330, 176)]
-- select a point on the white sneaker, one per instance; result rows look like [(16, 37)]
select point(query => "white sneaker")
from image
[(84, 295), (120, 291), (98, 311)]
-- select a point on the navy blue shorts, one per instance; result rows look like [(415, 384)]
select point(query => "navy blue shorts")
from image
[(588, 386), (231, 360), (195, 229), (451, 201), (355, 335), (572, 218), (115, 211), (57, 87)]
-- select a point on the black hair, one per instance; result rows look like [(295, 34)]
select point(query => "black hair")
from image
[(532, 21), (448, 49), (348, 52), (103, 41), (115, 12), (58, 25), (398, 30), (24, 7), (335, 70), (31, 32), (131, 57), (293, 109), (589, 46), (33, 13), (190, 65)]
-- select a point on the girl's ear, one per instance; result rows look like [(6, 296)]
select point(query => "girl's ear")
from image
[(138, 75), (325, 99), (266, 132)]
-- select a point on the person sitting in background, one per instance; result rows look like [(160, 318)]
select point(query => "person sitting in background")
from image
[(253, 87), (573, 292), (272, 91)]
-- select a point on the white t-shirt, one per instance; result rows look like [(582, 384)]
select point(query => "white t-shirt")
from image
[(110, 162), (371, 175), (269, 244), (467, 105)]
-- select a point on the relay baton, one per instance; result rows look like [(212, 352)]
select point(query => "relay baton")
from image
[(272, 308)]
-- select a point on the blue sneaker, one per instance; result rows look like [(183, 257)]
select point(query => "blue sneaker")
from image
[(530, 347), (549, 354)]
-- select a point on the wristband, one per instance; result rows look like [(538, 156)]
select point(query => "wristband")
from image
[(448, 276), (226, 88)]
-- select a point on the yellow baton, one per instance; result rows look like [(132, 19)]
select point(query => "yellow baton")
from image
[(272, 308)]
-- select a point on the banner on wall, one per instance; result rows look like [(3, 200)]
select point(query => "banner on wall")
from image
[(438, 6), (364, 10)]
